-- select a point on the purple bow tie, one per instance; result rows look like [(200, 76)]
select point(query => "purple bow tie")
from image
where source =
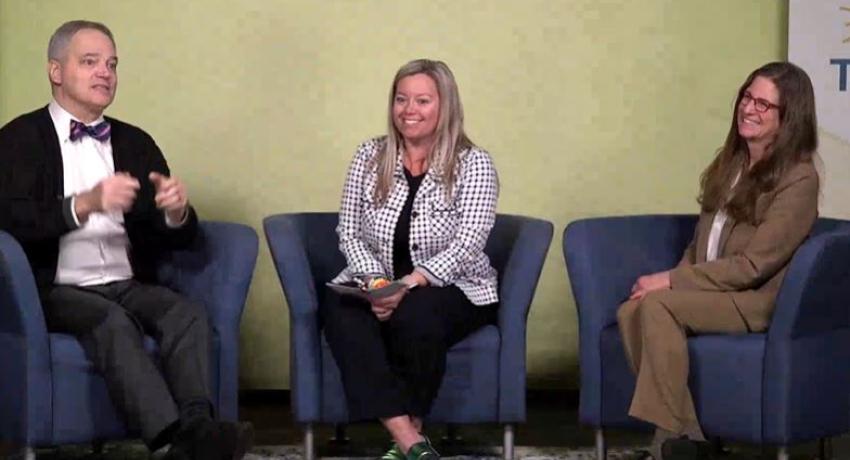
[(99, 131)]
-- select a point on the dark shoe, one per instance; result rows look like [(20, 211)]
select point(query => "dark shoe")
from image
[(422, 451), (685, 449), (212, 440), (640, 455), (394, 453), (176, 452), (244, 439)]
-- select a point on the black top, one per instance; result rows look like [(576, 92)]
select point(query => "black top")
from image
[(402, 263)]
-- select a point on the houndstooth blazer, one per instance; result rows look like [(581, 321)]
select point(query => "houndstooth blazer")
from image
[(447, 234)]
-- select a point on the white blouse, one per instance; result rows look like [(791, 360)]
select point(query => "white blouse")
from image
[(713, 247)]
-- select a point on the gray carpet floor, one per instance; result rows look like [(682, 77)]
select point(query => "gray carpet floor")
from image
[(134, 451), (130, 450), (550, 433)]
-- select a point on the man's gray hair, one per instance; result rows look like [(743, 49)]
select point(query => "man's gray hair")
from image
[(58, 45)]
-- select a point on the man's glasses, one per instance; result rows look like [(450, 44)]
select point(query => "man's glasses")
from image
[(761, 105)]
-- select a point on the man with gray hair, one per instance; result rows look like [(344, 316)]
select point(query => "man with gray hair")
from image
[(94, 205)]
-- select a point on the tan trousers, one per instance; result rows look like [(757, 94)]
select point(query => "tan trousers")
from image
[(654, 332)]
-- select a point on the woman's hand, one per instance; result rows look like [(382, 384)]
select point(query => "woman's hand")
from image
[(415, 279), (648, 283), (384, 307)]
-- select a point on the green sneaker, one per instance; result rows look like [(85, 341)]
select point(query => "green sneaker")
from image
[(394, 453), (422, 451)]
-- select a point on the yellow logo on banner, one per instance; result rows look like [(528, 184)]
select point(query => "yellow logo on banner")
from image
[(847, 9), (842, 64)]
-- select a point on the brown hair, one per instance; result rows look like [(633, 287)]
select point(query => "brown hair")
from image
[(795, 142)]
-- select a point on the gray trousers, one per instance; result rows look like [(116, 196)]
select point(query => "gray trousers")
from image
[(111, 320)]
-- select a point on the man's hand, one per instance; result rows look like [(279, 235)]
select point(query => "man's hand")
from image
[(170, 196), (115, 193), (648, 283)]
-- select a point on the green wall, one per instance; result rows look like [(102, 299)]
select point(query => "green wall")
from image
[(589, 107)]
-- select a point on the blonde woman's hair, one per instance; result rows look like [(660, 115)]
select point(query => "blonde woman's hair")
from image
[(450, 138)]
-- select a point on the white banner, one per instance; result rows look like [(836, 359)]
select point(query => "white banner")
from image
[(819, 42)]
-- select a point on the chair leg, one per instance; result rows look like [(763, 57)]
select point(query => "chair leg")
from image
[(451, 436), (825, 448), (339, 434), (719, 448), (782, 453), (601, 449), (508, 442), (309, 453), (21, 453)]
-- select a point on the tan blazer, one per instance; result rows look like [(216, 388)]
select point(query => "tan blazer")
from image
[(752, 259)]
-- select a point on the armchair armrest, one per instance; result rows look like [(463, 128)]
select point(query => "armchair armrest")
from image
[(521, 272), (216, 271), (284, 234), (604, 257), (815, 292), (25, 374), (808, 343)]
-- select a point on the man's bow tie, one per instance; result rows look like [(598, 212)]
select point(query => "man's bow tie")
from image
[(99, 131)]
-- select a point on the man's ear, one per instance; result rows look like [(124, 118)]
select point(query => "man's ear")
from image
[(54, 71)]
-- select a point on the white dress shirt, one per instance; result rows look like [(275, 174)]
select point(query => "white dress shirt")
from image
[(714, 236), (96, 252), (713, 247)]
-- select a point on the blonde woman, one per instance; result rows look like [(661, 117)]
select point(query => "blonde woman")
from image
[(418, 205)]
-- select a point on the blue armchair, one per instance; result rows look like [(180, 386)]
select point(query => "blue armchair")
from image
[(785, 386), (49, 392), (485, 375)]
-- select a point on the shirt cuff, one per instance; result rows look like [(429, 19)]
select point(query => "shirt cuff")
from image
[(432, 279), (69, 213), (171, 224)]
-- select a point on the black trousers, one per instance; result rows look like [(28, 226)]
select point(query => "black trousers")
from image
[(395, 367), (111, 320)]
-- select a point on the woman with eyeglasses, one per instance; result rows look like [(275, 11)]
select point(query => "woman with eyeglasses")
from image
[(759, 200)]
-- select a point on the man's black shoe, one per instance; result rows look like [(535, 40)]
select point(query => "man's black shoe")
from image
[(212, 440)]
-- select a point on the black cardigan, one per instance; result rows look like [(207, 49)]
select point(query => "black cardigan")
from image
[(33, 210)]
